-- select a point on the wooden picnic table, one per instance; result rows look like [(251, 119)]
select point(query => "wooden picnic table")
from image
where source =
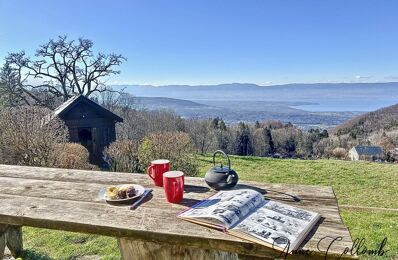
[(68, 200)]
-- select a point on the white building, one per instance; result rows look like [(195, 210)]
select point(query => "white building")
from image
[(366, 153)]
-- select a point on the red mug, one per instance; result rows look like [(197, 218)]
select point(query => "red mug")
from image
[(173, 184), (156, 170)]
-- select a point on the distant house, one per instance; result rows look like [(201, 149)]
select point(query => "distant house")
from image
[(366, 153), (89, 124)]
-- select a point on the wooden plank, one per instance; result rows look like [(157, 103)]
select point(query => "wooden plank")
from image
[(145, 224), (108, 178), (89, 192), (138, 250)]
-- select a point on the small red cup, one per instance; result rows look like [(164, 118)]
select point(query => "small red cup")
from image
[(156, 170), (173, 184)]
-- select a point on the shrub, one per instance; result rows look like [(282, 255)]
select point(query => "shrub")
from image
[(174, 146), (339, 153), (25, 139), (71, 156), (122, 156)]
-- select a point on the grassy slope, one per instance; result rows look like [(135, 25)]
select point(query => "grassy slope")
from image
[(355, 183)]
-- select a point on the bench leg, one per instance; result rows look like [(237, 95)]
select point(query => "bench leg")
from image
[(132, 250), (14, 240), (3, 229)]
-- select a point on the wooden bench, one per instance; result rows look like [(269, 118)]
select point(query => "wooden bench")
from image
[(68, 200)]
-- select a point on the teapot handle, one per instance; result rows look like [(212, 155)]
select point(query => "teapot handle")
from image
[(225, 156)]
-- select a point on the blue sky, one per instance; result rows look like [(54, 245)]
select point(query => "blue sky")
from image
[(210, 42)]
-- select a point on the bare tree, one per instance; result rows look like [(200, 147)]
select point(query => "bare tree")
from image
[(140, 123), (174, 146), (114, 100), (61, 69), (122, 156), (202, 134), (262, 142)]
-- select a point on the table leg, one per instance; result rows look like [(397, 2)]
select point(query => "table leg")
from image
[(14, 240), (3, 229), (137, 250)]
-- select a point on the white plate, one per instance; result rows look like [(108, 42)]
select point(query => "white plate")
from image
[(138, 188)]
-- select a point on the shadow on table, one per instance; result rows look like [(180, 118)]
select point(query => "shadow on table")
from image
[(129, 203), (29, 254), (269, 194), (245, 186), (195, 189), (189, 202), (312, 232)]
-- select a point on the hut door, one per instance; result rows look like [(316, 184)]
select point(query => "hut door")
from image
[(86, 139)]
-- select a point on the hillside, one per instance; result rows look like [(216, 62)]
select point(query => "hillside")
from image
[(384, 119), (247, 111), (153, 103)]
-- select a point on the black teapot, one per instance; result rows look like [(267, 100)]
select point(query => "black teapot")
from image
[(221, 178)]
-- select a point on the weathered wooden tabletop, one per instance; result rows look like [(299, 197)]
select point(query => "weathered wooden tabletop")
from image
[(68, 200)]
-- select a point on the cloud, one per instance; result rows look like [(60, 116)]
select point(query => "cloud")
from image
[(266, 83), (362, 77), (391, 77)]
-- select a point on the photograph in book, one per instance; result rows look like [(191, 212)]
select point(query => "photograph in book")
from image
[(277, 224), (225, 208), (246, 214)]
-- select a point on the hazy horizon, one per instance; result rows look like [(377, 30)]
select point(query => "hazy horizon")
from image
[(252, 83), (323, 97)]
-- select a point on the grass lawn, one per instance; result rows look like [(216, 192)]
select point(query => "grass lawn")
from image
[(355, 183), (43, 244)]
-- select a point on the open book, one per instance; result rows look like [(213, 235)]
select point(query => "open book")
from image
[(246, 214)]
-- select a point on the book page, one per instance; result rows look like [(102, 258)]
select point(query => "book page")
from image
[(225, 208), (278, 224)]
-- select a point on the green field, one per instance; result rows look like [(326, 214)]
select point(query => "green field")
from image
[(355, 184)]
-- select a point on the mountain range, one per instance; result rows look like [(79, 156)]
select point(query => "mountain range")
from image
[(320, 104)]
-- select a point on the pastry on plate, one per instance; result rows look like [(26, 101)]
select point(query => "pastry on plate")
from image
[(112, 193), (120, 192)]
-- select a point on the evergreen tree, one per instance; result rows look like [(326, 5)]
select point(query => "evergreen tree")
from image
[(243, 140), (268, 139), (257, 125)]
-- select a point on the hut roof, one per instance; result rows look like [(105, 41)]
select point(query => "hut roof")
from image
[(368, 150), (72, 102)]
